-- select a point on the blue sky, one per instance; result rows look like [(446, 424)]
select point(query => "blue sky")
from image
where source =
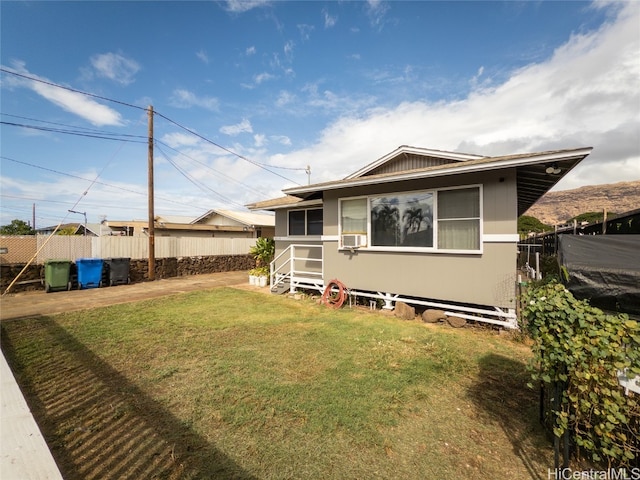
[(271, 87)]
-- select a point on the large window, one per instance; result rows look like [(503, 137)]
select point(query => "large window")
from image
[(404, 220), (305, 222), (433, 220)]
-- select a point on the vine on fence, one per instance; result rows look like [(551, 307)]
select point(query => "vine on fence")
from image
[(584, 349)]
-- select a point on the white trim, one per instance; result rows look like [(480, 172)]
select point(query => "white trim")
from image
[(330, 238), (416, 151), (300, 238), (500, 238), (454, 169)]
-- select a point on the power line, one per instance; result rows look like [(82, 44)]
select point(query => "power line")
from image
[(216, 172), (78, 133), (257, 164), (99, 183), (36, 79), (196, 182), (103, 136)]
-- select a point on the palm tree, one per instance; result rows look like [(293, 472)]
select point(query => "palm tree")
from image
[(386, 218), (413, 219)]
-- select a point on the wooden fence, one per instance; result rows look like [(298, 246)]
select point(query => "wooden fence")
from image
[(21, 249)]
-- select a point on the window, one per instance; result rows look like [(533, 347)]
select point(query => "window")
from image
[(404, 220), (433, 220), (305, 222), (353, 216), (459, 219)]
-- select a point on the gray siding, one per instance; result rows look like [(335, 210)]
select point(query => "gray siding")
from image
[(484, 279)]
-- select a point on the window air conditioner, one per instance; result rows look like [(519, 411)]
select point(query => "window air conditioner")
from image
[(353, 241)]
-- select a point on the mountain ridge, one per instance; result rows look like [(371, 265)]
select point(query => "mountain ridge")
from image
[(558, 207)]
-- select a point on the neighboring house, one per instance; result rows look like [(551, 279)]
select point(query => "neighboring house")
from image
[(429, 227), (214, 223), (92, 229)]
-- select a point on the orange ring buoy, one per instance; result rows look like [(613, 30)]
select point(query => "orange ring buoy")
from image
[(334, 299)]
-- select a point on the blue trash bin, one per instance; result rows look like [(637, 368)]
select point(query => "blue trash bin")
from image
[(89, 272)]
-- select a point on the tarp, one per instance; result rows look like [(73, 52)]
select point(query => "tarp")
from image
[(605, 269)]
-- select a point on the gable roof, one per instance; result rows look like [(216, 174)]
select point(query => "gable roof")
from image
[(533, 180), (246, 218), (415, 157)]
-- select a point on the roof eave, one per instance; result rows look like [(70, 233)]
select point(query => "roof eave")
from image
[(455, 169)]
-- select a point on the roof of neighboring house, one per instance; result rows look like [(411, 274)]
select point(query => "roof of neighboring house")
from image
[(282, 202), (246, 218), (533, 177), (92, 228), (182, 222)]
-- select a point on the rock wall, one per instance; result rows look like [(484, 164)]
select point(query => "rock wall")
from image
[(33, 276)]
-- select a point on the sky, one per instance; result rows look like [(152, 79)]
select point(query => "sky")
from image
[(251, 97)]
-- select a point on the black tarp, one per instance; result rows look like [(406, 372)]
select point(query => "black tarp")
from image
[(604, 269)]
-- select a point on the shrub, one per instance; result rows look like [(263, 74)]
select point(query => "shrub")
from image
[(584, 349)]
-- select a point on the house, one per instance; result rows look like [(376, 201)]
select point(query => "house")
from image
[(214, 223), (90, 229), (427, 227)]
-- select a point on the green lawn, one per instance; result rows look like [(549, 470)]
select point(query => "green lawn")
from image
[(231, 383)]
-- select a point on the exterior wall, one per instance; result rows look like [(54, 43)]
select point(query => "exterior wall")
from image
[(486, 278)]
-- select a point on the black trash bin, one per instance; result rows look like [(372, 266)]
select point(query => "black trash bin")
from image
[(118, 270)]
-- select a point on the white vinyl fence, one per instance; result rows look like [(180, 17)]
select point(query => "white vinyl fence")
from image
[(20, 249)]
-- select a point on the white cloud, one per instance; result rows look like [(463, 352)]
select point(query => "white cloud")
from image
[(179, 139), (281, 139), (305, 30), (376, 10), (116, 67), (241, 6), (185, 99), (71, 101), (250, 51), (285, 98), (288, 49), (259, 140), (243, 127), (202, 55), (329, 20), (262, 77), (586, 94)]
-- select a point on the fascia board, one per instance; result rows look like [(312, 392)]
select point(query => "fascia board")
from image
[(416, 151), (456, 169)]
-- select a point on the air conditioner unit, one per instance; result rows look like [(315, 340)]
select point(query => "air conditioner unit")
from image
[(353, 241)]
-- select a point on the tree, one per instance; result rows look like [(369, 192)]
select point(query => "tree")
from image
[(385, 224), (591, 217), (527, 224), (17, 227)]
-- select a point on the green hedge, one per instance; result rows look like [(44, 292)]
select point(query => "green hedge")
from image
[(583, 349)]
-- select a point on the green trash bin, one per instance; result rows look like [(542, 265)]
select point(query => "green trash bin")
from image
[(56, 275)]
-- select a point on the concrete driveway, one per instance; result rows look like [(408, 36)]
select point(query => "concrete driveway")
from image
[(40, 303)]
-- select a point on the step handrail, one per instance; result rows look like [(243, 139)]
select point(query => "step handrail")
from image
[(287, 269)]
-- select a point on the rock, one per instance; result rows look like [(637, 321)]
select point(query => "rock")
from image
[(433, 316), (456, 322), (404, 311)]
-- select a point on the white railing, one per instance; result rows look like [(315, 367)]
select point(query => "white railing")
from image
[(291, 269)]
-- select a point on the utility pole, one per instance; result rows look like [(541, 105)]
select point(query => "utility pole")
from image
[(33, 216), (151, 229), (308, 170)]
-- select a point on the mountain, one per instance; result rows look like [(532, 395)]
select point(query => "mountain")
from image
[(558, 207)]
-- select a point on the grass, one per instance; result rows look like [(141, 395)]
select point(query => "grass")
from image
[(230, 383)]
